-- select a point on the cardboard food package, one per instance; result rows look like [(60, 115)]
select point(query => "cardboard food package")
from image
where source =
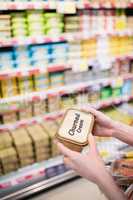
[(5, 140), (8, 159), (40, 142), (75, 129), (51, 128), (23, 145)]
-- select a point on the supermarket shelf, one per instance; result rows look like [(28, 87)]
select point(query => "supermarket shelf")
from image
[(61, 90), (41, 186), (28, 172), (54, 115), (86, 4), (34, 178), (31, 71), (55, 91), (31, 40), (56, 5), (27, 5), (51, 68), (59, 38), (31, 174)]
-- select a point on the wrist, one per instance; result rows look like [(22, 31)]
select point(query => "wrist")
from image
[(103, 177), (115, 128)]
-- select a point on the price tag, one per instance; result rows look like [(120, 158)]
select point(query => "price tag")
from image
[(66, 7)]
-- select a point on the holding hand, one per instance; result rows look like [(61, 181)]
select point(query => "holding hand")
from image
[(89, 165), (104, 126)]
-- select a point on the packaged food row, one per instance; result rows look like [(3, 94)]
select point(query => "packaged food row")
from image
[(30, 23), (41, 82), (36, 144), (57, 102), (33, 83), (38, 22), (63, 54)]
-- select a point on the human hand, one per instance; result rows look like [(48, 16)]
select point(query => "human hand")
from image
[(89, 165), (104, 126)]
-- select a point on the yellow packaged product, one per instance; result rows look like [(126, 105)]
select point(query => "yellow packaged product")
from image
[(9, 87), (25, 84)]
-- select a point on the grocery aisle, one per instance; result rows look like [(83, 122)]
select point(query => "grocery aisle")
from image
[(78, 189), (56, 55)]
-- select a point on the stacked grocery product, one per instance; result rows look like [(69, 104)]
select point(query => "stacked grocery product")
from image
[(23, 147), (51, 128), (22, 57), (63, 53), (36, 145), (19, 24), (72, 23), (40, 141), (5, 28), (57, 102), (40, 23), (8, 155), (37, 141), (35, 23), (53, 58), (53, 24)]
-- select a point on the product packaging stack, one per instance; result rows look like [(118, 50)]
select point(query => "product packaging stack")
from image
[(23, 145), (51, 128), (41, 82), (41, 56), (59, 53), (9, 87), (8, 155), (22, 57), (40, 141), (6, 60), (40, 107), (35, 21), (26, 112), (5, 29), (25, 84), (9, 117), (53, 24), (72, 24), (53, 102), (19, 25)]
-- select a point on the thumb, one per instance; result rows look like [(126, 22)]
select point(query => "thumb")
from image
[(92, 143)]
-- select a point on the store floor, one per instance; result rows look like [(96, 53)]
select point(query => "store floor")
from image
[(78, 189)]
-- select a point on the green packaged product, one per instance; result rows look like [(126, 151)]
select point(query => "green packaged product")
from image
[(116, 92), (106, 92)]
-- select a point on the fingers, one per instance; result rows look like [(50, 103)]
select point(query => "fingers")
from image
[(65, 151), (69, 163), (95, 112), (92, 143), (92, 110)]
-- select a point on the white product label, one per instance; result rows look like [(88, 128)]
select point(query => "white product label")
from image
[(76, 126)]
